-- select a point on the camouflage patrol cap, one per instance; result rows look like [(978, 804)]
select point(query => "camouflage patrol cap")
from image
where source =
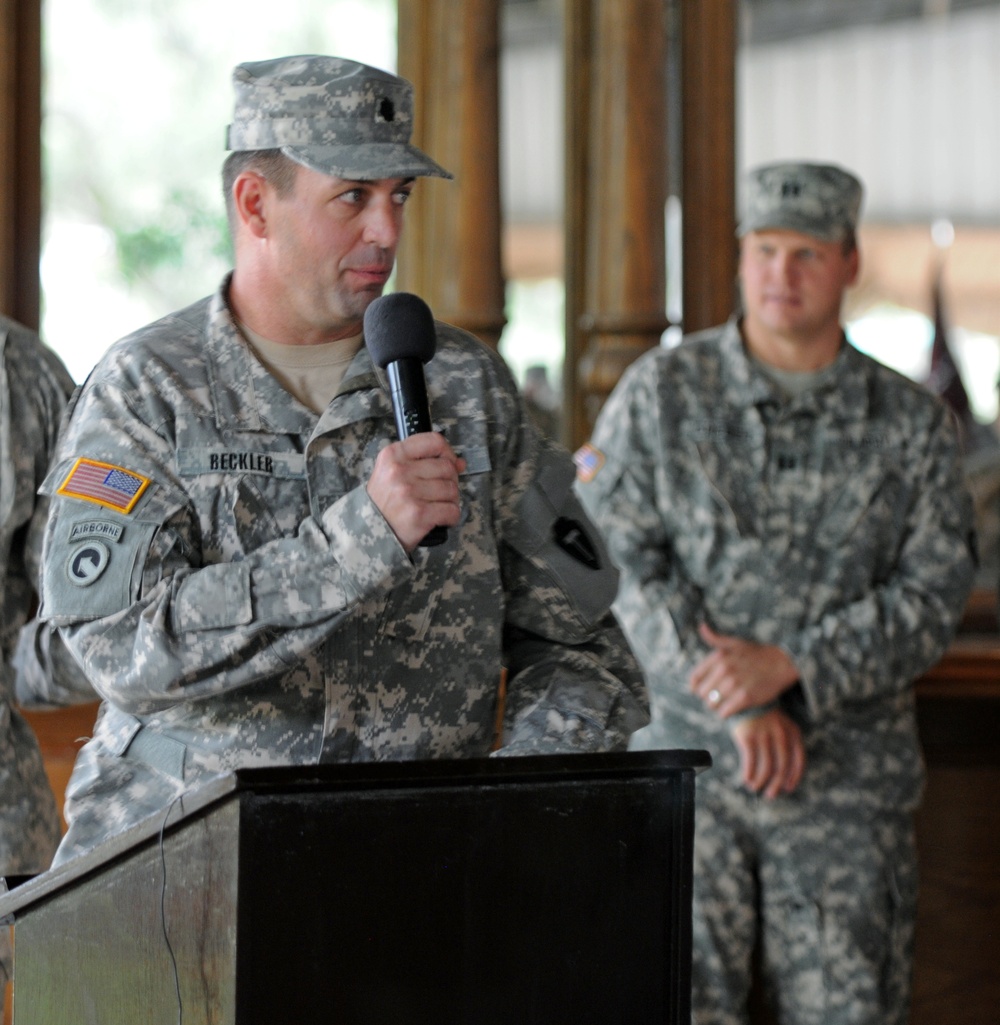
[(820, 200), (333, 115)]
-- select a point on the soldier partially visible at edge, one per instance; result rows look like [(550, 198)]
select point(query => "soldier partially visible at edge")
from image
[(232, 551), (34, 389), (795, 543)]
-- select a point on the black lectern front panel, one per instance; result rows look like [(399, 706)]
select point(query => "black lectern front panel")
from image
[(494, 892)]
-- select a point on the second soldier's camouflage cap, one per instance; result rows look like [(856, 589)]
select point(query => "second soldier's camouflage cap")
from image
[(333, 115), (821, 200)]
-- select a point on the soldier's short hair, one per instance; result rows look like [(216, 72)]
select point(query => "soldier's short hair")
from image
[(271, 164)]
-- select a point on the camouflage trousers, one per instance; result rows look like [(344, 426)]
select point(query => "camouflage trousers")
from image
[(823, 901)]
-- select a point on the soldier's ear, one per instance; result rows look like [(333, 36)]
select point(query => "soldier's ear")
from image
[(854, 260), (249, 201)]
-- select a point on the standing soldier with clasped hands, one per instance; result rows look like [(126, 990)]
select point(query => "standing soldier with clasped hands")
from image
[(795, 543)]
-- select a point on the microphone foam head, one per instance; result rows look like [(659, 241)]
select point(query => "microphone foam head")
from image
[(399, 326)]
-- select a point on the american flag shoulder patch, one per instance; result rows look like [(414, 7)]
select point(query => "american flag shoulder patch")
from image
[(588, 461), (104, 484)]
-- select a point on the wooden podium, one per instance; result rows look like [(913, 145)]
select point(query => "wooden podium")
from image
[(484, 892)]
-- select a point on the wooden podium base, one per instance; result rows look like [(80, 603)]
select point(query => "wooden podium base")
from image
[(497, 892)]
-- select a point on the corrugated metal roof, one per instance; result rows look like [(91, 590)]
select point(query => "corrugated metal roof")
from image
[(909, 104), (768, 21), (912, 107)]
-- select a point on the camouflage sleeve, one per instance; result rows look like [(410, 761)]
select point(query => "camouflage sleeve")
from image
[(31, 398), (658, 605), (574, 684), (45, 673), (882, 641), (151, 624)]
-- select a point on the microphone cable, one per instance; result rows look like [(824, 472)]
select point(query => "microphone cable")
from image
[(163, 913)]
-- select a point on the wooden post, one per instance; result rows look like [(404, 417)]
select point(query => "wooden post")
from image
[(20, 158), (708, 161), (616, 193), (450, 251), (577, 31)]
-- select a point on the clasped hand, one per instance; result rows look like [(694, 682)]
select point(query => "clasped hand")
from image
[(738, 676)]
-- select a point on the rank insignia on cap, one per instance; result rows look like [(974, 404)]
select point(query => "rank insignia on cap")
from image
[(588, 461), (111, 486)]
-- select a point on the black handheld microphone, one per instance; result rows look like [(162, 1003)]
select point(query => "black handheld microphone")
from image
[(399, 333)]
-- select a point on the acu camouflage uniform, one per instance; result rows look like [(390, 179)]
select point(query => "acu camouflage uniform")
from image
[(34, 387), (835, 525), (217, 566)]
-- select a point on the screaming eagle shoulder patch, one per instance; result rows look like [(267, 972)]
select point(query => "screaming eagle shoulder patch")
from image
[(114, 487)]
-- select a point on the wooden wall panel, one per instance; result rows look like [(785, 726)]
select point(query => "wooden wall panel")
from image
[(61, 733), (958, 836)]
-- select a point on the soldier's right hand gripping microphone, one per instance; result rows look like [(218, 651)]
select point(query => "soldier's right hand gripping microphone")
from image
[(399, 333)]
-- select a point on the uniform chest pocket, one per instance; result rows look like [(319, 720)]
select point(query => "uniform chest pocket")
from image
[(253, 522), (869, 508), (250, 511), (244, 498)]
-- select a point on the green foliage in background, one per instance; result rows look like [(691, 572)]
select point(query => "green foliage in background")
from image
[(136, 98), (185, 231)]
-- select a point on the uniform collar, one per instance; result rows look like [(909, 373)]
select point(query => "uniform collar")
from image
[(844, 394), (247, 397)]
